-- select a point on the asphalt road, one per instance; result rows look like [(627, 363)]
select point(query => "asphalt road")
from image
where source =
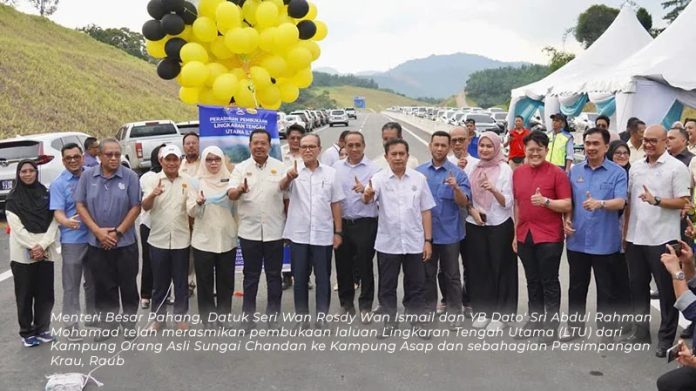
[(472, 369)]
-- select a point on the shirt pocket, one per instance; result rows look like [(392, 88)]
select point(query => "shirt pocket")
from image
[(444, 192), (606, 191)]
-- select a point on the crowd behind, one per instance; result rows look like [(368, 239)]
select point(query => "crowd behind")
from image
[(455, 225)]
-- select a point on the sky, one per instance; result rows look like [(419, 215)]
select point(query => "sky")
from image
[(377, 35)]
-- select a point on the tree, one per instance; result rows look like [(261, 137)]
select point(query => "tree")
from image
[(129, 41), (45, 7), (491, 87), (644, 18), (558, 58), (593, 23), (675, 7)]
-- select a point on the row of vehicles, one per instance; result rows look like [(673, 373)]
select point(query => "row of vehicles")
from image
[(313, 119), (491, 119)]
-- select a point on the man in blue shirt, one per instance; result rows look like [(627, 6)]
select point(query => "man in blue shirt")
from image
[(108, 202), (91, 152), (451, 191), (73, 237), (473, 144), (593, 233)]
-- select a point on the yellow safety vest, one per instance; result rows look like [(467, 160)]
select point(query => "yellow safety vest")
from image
[(557, 148)]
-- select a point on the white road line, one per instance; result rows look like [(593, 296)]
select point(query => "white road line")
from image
[(414, 135), (4, 276)]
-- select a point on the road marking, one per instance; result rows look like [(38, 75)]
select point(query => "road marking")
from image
[(414, 135), (4, 276)]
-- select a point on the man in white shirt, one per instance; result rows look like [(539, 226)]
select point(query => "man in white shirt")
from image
[(460, 139), (658, 189), (390, 131), (170, 236), (255, 185), (404, 232), (294, 135), (313, 226), (333, 154)]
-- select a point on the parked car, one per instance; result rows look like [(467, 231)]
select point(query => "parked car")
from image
[(138, 139), (188, 127), (500, 118), (292, 119), (338, 116), (44, 149), (495, 110), (306, 118), (484, 122), (585, 121), (350, 111)]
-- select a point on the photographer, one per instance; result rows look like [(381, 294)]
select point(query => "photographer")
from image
[(679, 263)]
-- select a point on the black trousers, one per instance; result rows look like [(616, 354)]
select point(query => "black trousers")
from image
[(492, 268), (115, 272), (170, 266), (611, 281), (355, 254), (215, 281), (445, 260), (306, 257), (644, 261), (680, 379), (414, 279), (541, 262), (146, 272), (34, 295), (269, 255), (466, 301)]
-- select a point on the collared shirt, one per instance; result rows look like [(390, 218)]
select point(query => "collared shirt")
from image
[(473, 147), (62, 191), (146, 183), (650, 225), (310, 219), (89, 161), (352, 207), (289, 159), (169, 225), (636, 153), (331, 155), (517, 143), (190, 169), (470, 163), (447, 223), (497, 214), (597, 232), (108, 200), (382, 163), (401, 204), (261, 210), (215, 225), (685, 157), (545, 225)]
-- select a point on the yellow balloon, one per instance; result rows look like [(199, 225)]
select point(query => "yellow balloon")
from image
[(207, 97), (260, 77), (156, 48), (242, 40), (285, 36), (312, 12), (278, 3), (207, 7), (216, 69), (275, 65), (204, 29), (194, 74), (288, 91), (240, 74), (244, 96), (266, 39), (228, 16), (187, 34), (266, 14), (225, 87), (313, 48), (219, 49), (252, 42), (268, 95), (249, 11), (189, 95), (303, 78), (299, 58), (322, 30), (193, 51), (272, 106)]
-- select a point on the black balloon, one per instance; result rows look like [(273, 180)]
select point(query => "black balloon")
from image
[(153, 31), (286, 2), (173, 5), (168, 68), (173, 47), (307, 29), (188, 13), (298, 8), (238, 2), (156, 9), (173, 24)]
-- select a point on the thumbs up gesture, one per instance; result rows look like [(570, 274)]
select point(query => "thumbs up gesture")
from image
[(646, 196), (200, 198), (590, 204), (538, 199), (292, 173), (159, 189), (451, 180), (358, 188), (369, 193), (486, 184)]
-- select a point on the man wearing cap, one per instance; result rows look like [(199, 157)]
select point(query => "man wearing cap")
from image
[(170, 236), (561, 145)]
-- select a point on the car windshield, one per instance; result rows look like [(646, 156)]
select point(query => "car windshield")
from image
[(337, 112), (188, 128), (152, 130), (481, 118), (18, 150)]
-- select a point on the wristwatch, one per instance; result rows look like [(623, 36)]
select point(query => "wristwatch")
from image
[(119, 234), (429, 241), (547, 202), (339, 233), (602, 204), (679, 276), (658, 200)]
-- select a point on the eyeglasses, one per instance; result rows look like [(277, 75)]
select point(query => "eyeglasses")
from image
[(214, 160), (309, 147), (618, 153), (72, 158), (112, 155), (652, 141), (459, 140)]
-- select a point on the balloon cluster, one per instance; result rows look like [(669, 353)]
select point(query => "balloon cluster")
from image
[(251, 53)]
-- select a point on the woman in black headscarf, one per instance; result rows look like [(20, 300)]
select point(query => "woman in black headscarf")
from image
[(620, 154), (33, 249)]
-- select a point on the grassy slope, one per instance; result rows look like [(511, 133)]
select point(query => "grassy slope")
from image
[(53, 78), (374, 99)]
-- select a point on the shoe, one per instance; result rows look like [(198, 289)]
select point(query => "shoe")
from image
[(45, 337), (468, 312), (182, 326), (654, 294), (74, 334), (387, 331), (480, 323), (169, 301), (30, 342), (661, 352), (688, 332), (495, 326), (145, 304), (287, 282), (365, 317), (441, 308)]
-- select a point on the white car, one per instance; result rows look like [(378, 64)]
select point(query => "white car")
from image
[(44, 149), (585, 121), (292, 119), (338, 117)]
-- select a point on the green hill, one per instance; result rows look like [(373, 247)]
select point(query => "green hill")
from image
[(376, 100), (54, 78)]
